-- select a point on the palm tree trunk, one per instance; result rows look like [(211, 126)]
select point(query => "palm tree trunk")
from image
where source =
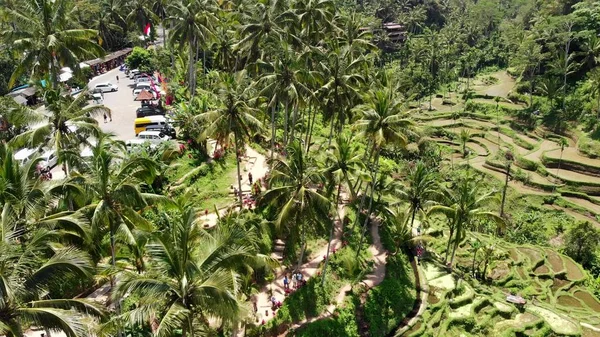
[(473, 266), (237, 162), (448, 245), (164, 33), (331, 131), (504, 190), (412, 220), (368, 214), (454, 247), (337, 202), (294, 120), (272, 133), (285, 122), (192, 67), (303, 247), (308, 127), (312, 128)]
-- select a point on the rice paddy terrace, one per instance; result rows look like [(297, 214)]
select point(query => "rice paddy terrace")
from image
[(537, 153), (557, 303)]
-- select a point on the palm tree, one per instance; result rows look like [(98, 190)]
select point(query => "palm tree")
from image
[(315, 17), (284, 81), (462, 206), (384, 122), (265, 27), (193, 275), (292, 192), (65, 125), (475, 247), (346, 160), (489, 253), (113, 183), (193, 23), (41, 36), (509, 159), (28, 269), (464, 138), (563, 143), (140, 14), (111, 24), (422, 188), (232, 116), (594, 76)]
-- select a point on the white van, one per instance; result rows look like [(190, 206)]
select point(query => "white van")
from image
[(25, 155), (49, 159)]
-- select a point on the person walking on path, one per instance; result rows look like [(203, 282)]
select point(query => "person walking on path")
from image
[(105, 118), (295, 280), (286, 282), (117, 78), (250, 177)]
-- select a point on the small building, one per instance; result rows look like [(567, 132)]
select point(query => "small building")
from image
[(108, 62), (24, 95)]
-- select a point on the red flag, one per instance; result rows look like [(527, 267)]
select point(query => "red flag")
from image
[(147, 29)]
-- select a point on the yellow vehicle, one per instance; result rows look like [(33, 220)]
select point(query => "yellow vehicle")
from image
[(140, 124)]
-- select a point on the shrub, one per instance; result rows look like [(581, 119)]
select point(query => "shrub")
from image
[(342, 325)]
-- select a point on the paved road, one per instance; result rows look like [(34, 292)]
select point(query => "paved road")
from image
[(121, 104)]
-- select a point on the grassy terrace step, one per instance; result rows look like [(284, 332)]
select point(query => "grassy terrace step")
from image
[(572, 160), (574, 178)]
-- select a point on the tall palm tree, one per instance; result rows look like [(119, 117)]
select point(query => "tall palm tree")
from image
[(422, 189), (563, 143), (193, 275), (140, 14), (264, 26), (292, 191), (464, 137), (284, 81), (462, 206), (112, 182), (594, 77), (383, 123), (232, 116), (65, 124), (111, 24), (315, 17), (41, 36), (193, 23), (28, 267), (346, 160), (509, 157)]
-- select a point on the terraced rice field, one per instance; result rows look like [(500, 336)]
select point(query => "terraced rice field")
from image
[(545, 145), (505, 84), (480, 150), (501, 103), (571, 153), (568, 175), (584, 203), (491, 146), (508, 140)]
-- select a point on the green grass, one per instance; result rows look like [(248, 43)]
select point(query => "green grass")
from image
[(208, 183)]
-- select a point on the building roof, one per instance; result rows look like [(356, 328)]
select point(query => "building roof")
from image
[(20, 99), (144, 95), (108, 57)]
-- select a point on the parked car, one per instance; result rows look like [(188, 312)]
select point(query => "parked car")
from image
[(49, 159), (149, 111), (25, 155), (137, 144), (142, 79), (133, 73), (136, 92), (153, 136), (143, 85), (107, 87), (165, 129)]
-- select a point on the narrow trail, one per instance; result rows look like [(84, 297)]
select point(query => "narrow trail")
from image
[(309, 270), (371, 280)]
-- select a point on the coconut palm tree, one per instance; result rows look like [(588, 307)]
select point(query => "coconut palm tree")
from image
[(28, 268), (264, 26), (462, 205), (192, 275), (346, 160), (140, 14), (315, 17), (232, 116), (65, 124), (464, 137), (475, 248), (284, 81), (292, 191), (509, 157), (112, 183), (193, 23), (594, 77), (563, 142), (422, 188), (41, 37), (383, 123)]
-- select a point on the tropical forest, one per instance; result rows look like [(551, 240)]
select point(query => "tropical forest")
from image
[(307, 168)]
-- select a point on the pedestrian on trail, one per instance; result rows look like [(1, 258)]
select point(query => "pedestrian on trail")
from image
[(250, 177), (117, 78), (105, 118), (286, 282), (295, 280)]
